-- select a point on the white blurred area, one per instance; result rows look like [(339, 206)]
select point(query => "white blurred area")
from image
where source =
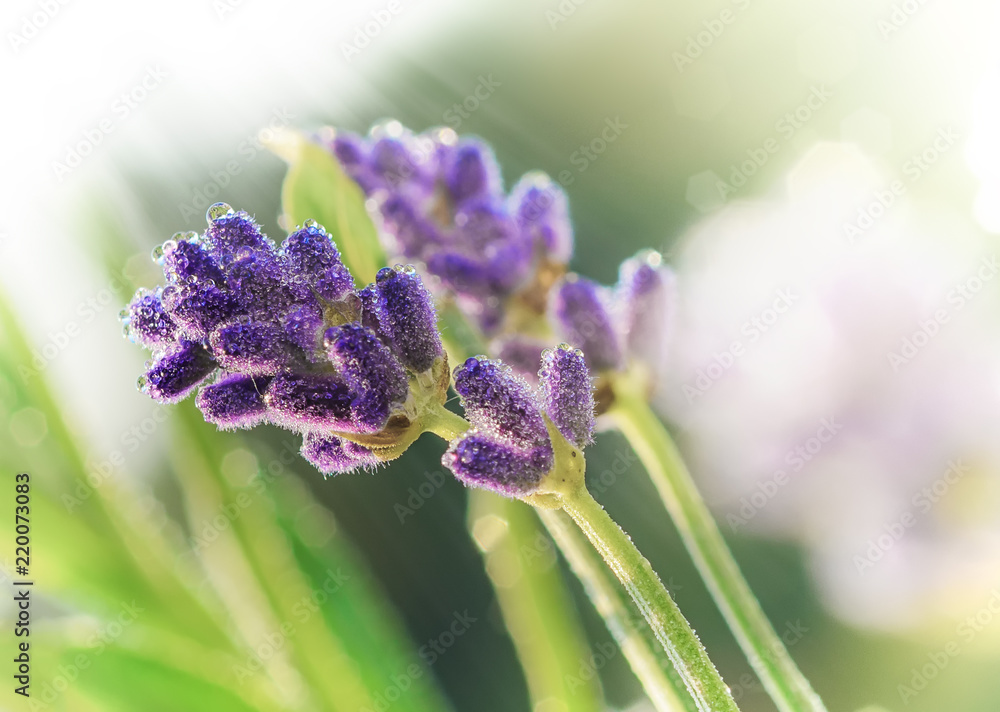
[(842, 387), (228, 65)]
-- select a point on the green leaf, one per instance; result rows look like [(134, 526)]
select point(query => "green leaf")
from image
[(316, 188), (537, 608)]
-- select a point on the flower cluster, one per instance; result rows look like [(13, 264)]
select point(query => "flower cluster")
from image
[(442, 205), (279, 334), (441, 202), (509, 449)]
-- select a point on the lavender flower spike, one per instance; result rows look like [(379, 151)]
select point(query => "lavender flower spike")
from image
[(509, 450), (645, 294), (291, 340)]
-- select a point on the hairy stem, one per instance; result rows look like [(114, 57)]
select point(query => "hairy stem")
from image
[(646, 659), (682, 646), (783, 681)]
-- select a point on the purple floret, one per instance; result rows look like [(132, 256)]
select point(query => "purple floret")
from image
[(541, 210), (190, 261), (148, 322), (177, 372), (497, 400), (568, 393), (199, 307), (309, 402), (471, 171), (407, 316), (645, 294), (234, 401), (332, 455), (489, 462), (254, 348), (233, 234), (313, 265), (581, 314), (374, 377)]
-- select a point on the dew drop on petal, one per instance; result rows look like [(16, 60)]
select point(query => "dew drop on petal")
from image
[(218, 210)]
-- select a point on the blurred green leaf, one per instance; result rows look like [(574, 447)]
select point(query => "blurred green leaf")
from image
[(537, 608), (316, 188)]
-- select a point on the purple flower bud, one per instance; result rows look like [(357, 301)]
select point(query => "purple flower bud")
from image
[(233, 234), (581, 315), (413, 233), (645, 293), (332, 455), (495, 399), (541, 210), (198, 308), (481, 460), (393, 161), (309, 402), (313, 264), (148, 322), (487, 232), (471, 171), (373, 375), (177, 372), (189, 261), (255, 280), (255, 348), (521, 353), (234, 401), (568, 393), (303, 326), (407, 316)]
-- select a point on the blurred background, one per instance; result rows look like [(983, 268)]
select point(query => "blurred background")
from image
[(824, 177)]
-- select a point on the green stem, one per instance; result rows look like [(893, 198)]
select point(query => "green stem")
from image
[(443, 423), (682, 646), (783, 681), (644, 656)]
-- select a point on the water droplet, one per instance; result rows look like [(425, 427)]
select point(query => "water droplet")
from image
[(383, 274), (565, 347), (142, 383), (157, 254), (310, 223), (408, 269), (123, 314), (219, 210), (126, 330), (651, 258)]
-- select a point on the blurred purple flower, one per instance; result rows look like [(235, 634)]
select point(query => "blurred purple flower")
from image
[(442, 204)]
